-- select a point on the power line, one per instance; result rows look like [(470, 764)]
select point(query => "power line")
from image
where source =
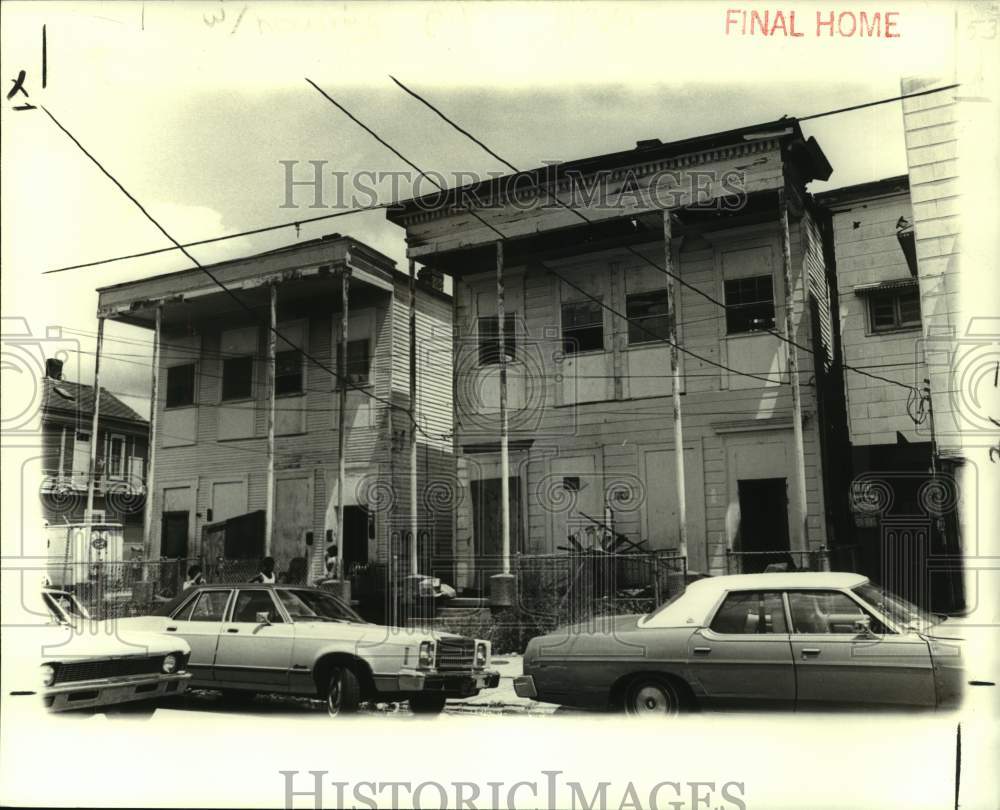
[(503, 237), (375, 207), (630, 249), (223, 287)]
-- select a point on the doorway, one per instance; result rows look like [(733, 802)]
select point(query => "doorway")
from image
[(763, 524), (356, 535), (174, 534), (486, 530)]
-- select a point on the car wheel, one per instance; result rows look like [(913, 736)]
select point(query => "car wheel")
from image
[(652, 697), (343, 693), (427, 703)]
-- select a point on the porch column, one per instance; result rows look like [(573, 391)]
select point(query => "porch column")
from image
[(675, 384), (502, 584), (793, 373), (92, 467), (154, 401), (272, 347), (414, 557), (342, 585)]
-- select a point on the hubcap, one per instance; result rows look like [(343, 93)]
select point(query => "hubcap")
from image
[(651, 699), (333, 697)]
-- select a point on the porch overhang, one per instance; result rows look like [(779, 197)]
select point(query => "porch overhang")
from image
[(305, 271)]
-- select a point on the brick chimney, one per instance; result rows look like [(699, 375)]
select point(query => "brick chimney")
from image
[(53, 368)]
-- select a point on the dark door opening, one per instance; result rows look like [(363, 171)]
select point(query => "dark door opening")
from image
[(357, 525), (763, 524), (486, 532), (174, 535)]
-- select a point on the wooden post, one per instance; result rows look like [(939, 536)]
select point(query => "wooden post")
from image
[(92, 467), (793, 373), (154, 402), (502, 584), (675, 385), (345, 283), (414, 559), (62, 456), (272, 350)]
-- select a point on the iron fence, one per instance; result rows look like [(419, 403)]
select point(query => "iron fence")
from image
[(840, 558), (575, 587)]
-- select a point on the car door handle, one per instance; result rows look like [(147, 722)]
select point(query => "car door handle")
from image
[(702, 650), (810, 652), (171, 629), (236, 630)]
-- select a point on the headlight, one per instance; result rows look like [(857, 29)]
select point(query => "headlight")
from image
[(426, 658), (170, 663), (48, 674), (482, 654)]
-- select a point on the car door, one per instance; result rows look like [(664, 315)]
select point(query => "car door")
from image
[(199, 622), (254, 654), (744, 656), (836, 664)]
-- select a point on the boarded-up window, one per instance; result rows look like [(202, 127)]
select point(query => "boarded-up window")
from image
[(749, 304), (180, 386), (489, 339), (647, 317), (288, 372), (237, 378), (582, 327)]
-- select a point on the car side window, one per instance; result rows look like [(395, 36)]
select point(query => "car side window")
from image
[(250, 603), (746, 612), (828, 612), (209, 606)]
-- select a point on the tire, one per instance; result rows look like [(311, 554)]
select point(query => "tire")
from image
[(343, 692), (427, 702), (139, 710), (651, 696)]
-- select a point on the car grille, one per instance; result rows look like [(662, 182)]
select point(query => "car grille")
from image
[(111, 668), (455, 653)]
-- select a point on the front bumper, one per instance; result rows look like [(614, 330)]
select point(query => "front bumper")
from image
[(524, 686), (461, 684), (110, 691)]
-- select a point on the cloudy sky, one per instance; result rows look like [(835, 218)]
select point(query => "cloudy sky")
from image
[(192, 106)]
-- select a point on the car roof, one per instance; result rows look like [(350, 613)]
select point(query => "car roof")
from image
[(168, 607), (780, 579)]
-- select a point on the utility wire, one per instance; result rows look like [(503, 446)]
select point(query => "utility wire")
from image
[(266, 228), (631, 250), (503, 238), (344, 381)]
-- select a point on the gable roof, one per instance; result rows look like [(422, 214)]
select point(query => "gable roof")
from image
[(77, 398)]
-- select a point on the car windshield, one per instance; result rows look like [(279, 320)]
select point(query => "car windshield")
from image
[(315, 606), (901, 612), (64, 607)]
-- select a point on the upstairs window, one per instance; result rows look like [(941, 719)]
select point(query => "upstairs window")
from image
[(237, 378), (180, 386), (894, 309), (749, 304), (288, 372), (647, 317), (358, 361), (489, 339), (116, 456), (582, 327)]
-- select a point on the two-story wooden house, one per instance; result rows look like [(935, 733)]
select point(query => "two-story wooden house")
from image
[(120, 472), (586, 267), (232, 440)]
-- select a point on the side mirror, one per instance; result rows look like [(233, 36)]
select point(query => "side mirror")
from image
[(263, 617), (863, 626)]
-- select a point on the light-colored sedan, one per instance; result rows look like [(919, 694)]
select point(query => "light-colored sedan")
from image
[(306, 641), (794, 640), (89, 665)]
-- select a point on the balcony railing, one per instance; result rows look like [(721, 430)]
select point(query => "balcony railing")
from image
[(56, 481)]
